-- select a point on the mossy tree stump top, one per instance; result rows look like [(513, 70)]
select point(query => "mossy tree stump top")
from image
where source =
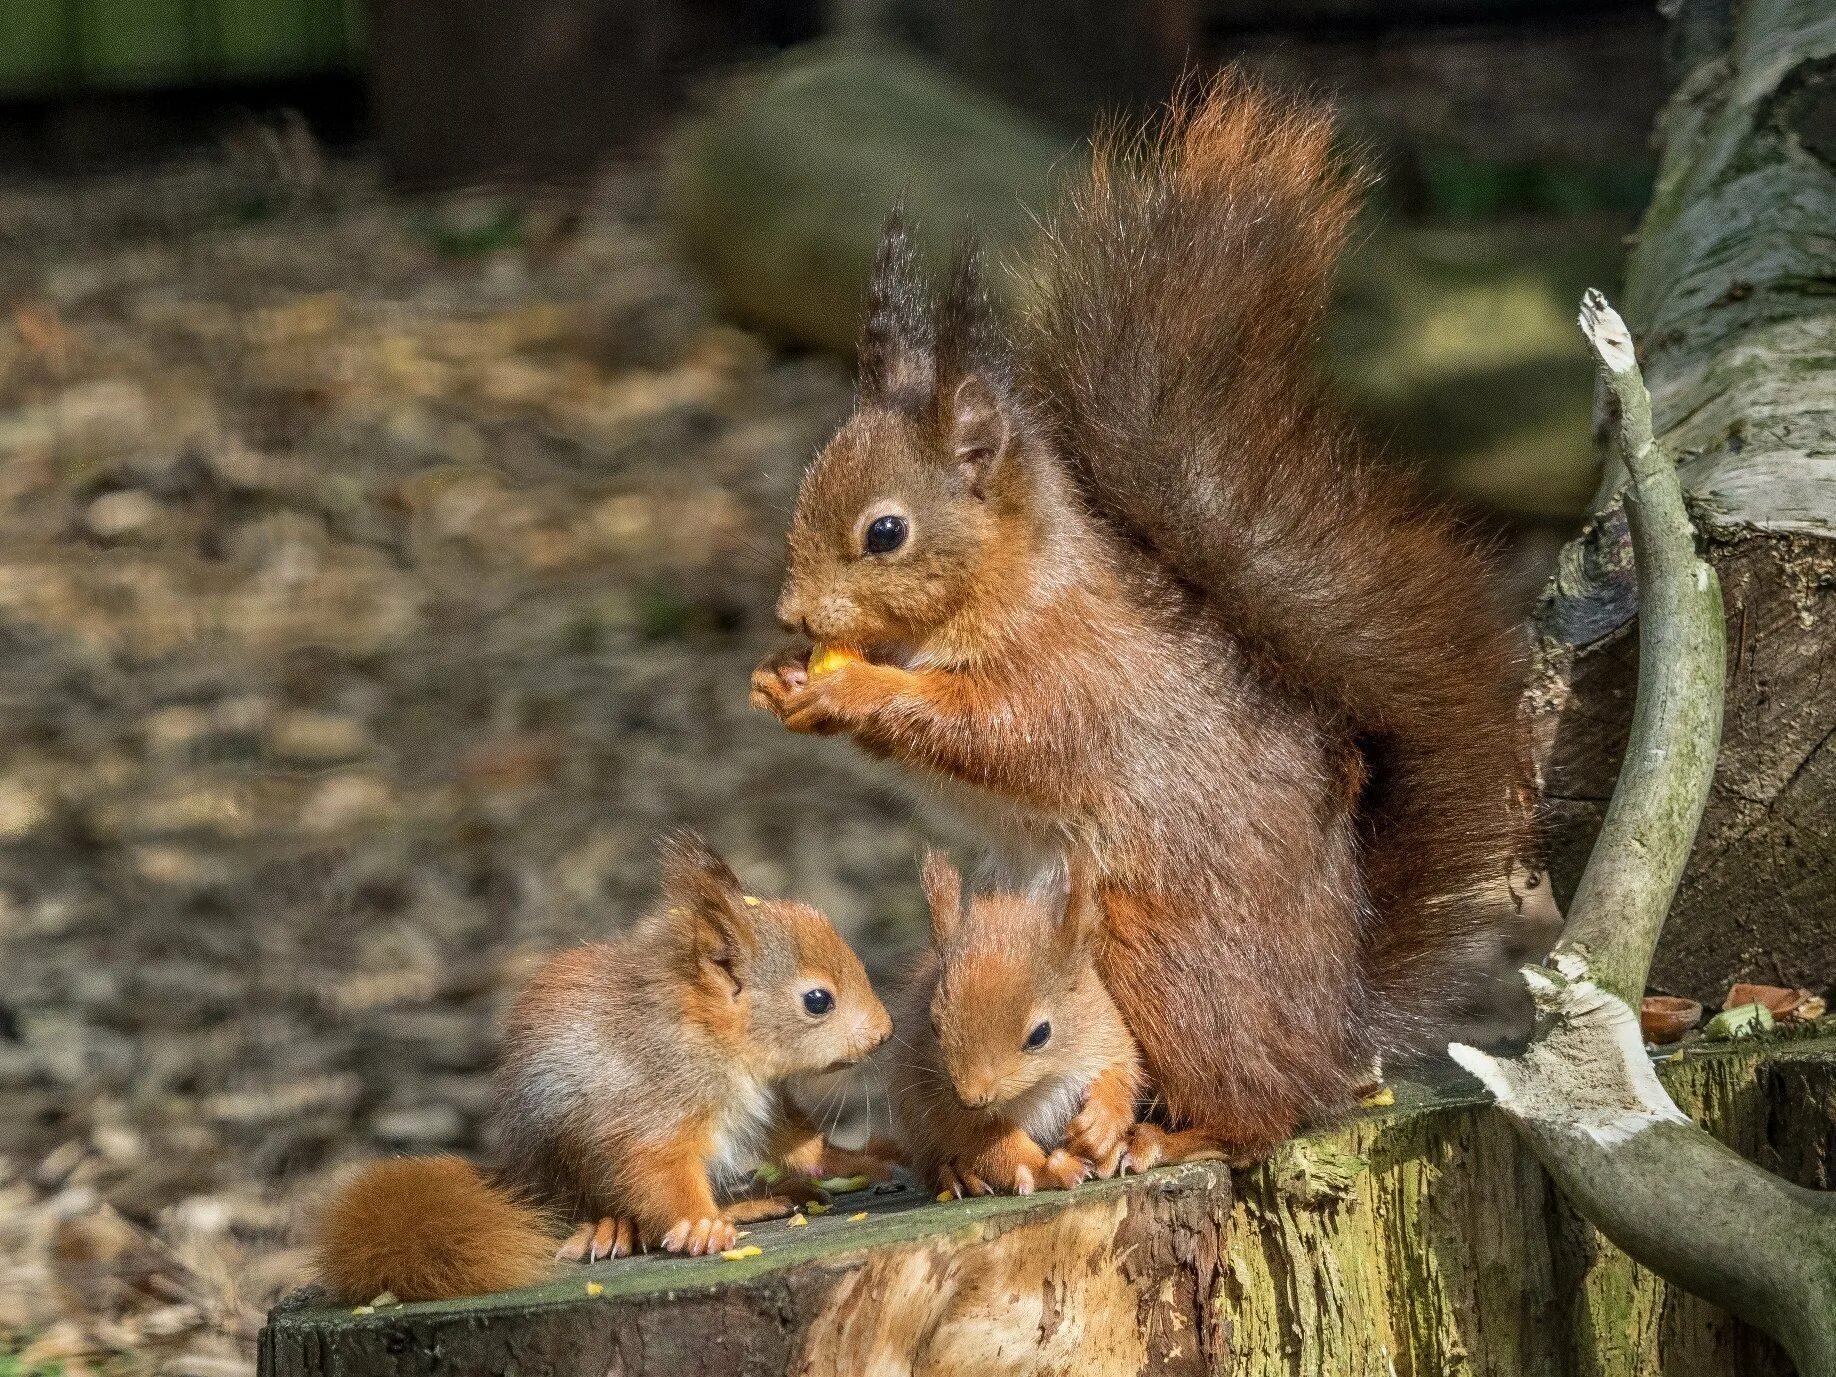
[(1417, 1238)]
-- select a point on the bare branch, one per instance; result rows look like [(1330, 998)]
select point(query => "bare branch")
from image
[(1631, 876)]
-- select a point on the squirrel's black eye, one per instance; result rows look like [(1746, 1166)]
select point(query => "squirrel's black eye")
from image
[(817, 1002), (886, 534), (1039, 1037)]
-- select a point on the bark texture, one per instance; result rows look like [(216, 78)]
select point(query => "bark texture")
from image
[(1730, 292), (1419, 1239)]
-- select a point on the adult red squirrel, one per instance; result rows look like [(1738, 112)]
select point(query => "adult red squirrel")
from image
[(1120, 579), (639, 1077)]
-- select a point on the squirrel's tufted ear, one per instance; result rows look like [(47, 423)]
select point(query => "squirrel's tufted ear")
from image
[(977, 432), (1083, 920), (898, 345), (975, 410), (943, 891), (707, 905)]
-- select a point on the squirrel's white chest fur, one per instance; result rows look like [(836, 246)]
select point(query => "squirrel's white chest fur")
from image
[(1044, 1112), (741, 1130)]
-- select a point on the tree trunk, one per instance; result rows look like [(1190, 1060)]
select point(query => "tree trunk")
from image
[(1730, 291), (1420, 1239)]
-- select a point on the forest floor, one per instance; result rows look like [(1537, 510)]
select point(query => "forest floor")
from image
[(376, 584), (377, 581)]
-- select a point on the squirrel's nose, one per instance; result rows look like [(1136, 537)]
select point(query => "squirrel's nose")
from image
[(976, 1096), (792, 618), (878, 1033)]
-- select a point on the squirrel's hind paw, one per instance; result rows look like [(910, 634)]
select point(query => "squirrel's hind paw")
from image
[(608, 1237)]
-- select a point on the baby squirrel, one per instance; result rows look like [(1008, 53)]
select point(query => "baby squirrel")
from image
[(1120, 577), (1013, 1070), (638, 1077)]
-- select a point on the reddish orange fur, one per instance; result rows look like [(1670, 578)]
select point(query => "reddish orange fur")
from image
[(428, 1228), (1158, 600)]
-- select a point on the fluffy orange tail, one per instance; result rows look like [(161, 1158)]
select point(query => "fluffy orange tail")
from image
[(428, 1228)]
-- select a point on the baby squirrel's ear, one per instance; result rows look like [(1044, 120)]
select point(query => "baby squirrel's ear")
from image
[(897, 354), (975, 411), (943, 891), (705, 897), (1083, 920)]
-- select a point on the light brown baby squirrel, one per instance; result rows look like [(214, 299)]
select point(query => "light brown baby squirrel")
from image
[(1120, 578), (640, 1078), (1012, 1070)]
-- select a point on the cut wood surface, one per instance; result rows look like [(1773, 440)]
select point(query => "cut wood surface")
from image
[(1419, 1238), (1728, 290)]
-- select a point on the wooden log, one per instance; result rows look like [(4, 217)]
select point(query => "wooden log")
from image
[(1414, 1239), (1728, 291)]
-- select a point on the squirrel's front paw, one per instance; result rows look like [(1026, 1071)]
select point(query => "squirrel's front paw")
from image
[(821, 708), (699, 1237), (778, 676), (1099, 1135), (608, 1237)]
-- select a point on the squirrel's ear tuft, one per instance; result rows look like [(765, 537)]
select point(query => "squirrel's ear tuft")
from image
[(898, 345), (975, 411), (1083, 920), (943, 891), (702, 893)]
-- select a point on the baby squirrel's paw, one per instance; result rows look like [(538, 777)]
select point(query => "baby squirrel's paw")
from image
[(778, 676), (1150, 1146), (1063, 1171), (609, 1237), (1099, 1135), (699, 1237)]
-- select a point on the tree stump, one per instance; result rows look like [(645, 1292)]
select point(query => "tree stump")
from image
[(1419, 1238), (1729, 290)]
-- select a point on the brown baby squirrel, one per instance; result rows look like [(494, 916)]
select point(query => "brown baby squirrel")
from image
[(1118, 577), (639, 1077), (1012, 1070)]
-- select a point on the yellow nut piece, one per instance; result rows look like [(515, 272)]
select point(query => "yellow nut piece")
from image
[(825, 659), (817, 1207), (594, 1288), (945, 1197), (857, 1218), (798, 1221), (741, 1254)]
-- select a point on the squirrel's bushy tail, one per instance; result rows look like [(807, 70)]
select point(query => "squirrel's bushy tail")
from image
[(428, 1228), (1169, 345)]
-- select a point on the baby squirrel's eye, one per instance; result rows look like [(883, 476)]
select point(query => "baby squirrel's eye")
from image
[(817, 1002), (1039, 1037), (886, 534)]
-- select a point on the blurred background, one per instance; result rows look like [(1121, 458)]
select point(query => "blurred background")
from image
[(400, 405)]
